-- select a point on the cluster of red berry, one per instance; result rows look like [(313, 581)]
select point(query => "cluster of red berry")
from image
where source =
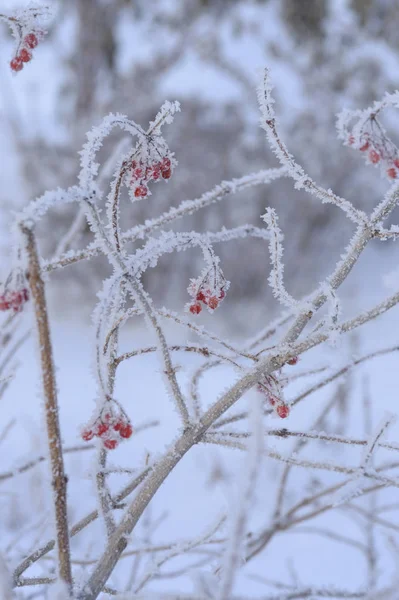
[(379, 150), (111, 426), (14, 299), (279, 406), (271, 387), (142, 175), (29, 42), (207, 290), (208, 298)]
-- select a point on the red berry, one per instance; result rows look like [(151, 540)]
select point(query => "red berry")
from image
[(101, 429), (138, 173), (16, 64), (222, 294), (4, 303), (365, 147), (87, 435), (110, 444), (16, 301), (374, 157), (156, 173), (166, 173), (293, 361), (195, 308), (134, 164), (351, 140), (213, 302), (141, 191), (166, 164), (25, 55), (392, 173), (200, 297), (396, 163), (283, 411), (118, 426), (126, 431), (31, 40)]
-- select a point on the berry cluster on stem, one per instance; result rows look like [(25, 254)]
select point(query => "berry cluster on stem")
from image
[(14, 294), (208, 290), (112, 425), (142, 174), (24, 54), (14, 299), (378, 148), (271, 388)]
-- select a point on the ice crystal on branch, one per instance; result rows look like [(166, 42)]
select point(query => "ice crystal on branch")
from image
[(276, 255), (293, 169)]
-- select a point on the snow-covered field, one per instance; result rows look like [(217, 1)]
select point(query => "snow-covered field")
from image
[(206, 482)]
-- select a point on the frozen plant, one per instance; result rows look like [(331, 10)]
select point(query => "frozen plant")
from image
[(262, 371)]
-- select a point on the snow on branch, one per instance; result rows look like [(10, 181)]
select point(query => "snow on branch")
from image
[(355, 486), (145, 303), (38, 208), (187, 207), (294, 170), (276, 278), (95, 138), (178, 549)]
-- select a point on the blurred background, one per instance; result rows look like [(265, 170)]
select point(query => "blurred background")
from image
[(119, 55)]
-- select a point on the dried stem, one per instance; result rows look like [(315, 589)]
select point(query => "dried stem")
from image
[(59, 480)]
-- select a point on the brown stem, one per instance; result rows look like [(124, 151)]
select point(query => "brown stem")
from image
[(37, 555), (59, 480)]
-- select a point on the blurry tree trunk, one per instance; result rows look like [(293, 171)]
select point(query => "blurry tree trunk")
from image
[(95, 52), (305, 18)]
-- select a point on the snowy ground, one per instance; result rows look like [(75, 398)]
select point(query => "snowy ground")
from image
[(189, 501)]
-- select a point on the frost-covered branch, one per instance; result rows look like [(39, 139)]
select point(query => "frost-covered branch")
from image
[(276, 278), (186, 208), (293, 169), (144, 302)]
